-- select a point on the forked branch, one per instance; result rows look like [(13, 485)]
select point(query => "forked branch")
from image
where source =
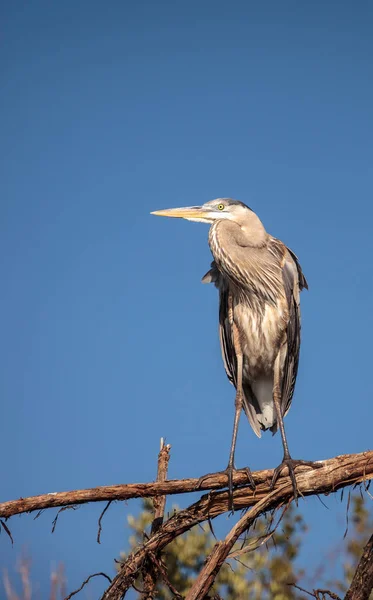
[(335, 474)]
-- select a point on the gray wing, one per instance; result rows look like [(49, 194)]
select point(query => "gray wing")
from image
[(294, 282), (229, 357), (301, 278)]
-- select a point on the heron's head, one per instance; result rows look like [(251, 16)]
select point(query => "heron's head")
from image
[(215, 210)]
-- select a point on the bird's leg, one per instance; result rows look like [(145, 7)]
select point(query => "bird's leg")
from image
[(238, 403), (287, 461), (238, 408)]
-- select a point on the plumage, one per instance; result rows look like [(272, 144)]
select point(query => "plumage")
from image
[(268, 316), (259, 281)]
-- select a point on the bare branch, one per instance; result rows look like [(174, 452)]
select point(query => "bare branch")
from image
[(100, 522), (159, 502), (85, 583), (338, 472), (334, 474), (297, 587), (263, 539), (54, 522), (7, 530), (221, 550), (151, 566), (362, 582), (318, 594), (163, 572)]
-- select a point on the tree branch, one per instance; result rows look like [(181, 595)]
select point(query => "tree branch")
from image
[(220, 552), (150, 569), (85, 583), (159, 502), (335, 473), (362, 581)]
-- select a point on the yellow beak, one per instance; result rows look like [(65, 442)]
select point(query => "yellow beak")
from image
[(187, 212)]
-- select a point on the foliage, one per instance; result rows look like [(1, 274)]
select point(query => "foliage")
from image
[(264, 573)]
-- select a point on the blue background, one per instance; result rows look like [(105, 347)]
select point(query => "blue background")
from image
[(111, 110)]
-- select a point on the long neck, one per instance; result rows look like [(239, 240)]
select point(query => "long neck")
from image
[(241, 254), (251, 233), (231, 235)]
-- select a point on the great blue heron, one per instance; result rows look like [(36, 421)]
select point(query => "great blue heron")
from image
[(259, 280)]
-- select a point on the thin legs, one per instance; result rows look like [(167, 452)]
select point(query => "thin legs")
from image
[(287, 461), (238, 403), (238, 408), (277, 403)]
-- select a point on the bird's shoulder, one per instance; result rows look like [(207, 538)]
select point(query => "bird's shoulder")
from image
[(288, 262)]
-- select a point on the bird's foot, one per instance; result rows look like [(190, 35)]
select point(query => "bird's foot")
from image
[(229, 472), (292, 464)]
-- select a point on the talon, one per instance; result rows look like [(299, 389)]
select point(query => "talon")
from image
[(292, 464), (250, 478), (204, 477), (229, 472), (201, 480)]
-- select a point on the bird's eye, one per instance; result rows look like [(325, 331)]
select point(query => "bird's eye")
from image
[(221, 206)]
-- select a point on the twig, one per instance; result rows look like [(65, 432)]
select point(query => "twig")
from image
[(163, 572), (362, 581), (347, 510), (316, 593), (54, 522), (324, 593), (263, 539), (7, 530), (40, 512), (337, 472), (301, 589), (100, 520), (150, 572), (85, 583)]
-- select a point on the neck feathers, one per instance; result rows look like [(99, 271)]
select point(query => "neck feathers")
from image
[(252, 232), (241, 255), (227, 234)]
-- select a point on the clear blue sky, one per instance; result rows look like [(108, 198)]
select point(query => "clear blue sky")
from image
[(109, 341)]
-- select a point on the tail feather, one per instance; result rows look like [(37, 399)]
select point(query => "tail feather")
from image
[(259, 407), (249, 404)]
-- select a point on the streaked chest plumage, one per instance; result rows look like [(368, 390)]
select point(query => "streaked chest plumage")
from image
[(252, 276), (261, 334)]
